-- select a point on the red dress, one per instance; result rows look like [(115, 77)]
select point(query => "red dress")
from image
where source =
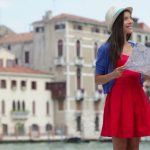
[(127, 108)]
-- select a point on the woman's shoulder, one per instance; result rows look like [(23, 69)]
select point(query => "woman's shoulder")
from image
[(104, 47)]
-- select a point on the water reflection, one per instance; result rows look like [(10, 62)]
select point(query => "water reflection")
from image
[(65, 146)]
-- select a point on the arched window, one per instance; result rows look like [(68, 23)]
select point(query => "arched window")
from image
[(95, 49), (14, 106), (35, 127), (78, 121), (3, 107), (60, 48), (47, 108), (23, 106), (18, 106), (78, 48), (96, 123), (48, 127), (33, 108), (78, 78)]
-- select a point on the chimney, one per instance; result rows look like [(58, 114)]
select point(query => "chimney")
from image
[(48, 15)]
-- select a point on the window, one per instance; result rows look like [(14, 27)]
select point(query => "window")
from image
[(3, 84), (47, 108), (96, 123), (13, 106), (5, 129), (18, 106), (78, 121), (60, 105), (77, 27), (139, 39), (9, 47), (78, 48), (13, 84), (16, 61), (60, 48), (95, 29), (146, 39), (78, 78), (33, 108), (47, 85), (23, 106), (48, 127), (60, 26), (39, 29), (95, 49), (27, 57), (23, 84), (3, 107), (33, 85)]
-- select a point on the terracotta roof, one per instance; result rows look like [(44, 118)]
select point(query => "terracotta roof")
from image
[(71, 17), (21, 69), (137, 29), (17, 38), (144, 27)]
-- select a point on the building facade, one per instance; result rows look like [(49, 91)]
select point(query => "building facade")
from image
[(66, 46), (26, 107)]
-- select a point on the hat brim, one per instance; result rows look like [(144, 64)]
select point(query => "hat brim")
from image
[(130, 9)]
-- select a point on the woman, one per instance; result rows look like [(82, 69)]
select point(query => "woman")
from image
[(127, 110)]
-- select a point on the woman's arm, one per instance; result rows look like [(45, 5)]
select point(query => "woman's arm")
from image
[(146, 77), (102, 79)]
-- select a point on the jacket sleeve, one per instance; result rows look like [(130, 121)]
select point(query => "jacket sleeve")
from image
[(101, 60)]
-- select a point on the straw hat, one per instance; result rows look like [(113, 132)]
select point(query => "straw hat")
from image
[(112, 15)]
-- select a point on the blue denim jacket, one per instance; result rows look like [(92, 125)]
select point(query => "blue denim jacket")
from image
[(103, 65)]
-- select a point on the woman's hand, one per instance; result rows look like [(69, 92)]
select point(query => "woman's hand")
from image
[(118, 72), (146, 77), (102, 79)]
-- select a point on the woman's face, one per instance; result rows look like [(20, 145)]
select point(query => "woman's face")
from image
[(128, 23)]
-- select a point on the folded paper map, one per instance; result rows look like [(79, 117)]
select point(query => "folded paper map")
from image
[(139, 60)]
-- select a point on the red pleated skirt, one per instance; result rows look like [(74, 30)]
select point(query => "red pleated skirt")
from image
[(127, 108)]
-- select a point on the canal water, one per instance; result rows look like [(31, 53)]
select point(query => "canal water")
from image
[(65, 146)]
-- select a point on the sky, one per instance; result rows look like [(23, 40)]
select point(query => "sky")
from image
[(20, 14)]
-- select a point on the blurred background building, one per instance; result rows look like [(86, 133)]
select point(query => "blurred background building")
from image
[(68, 100)]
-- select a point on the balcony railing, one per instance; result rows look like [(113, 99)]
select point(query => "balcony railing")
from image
[(79, 61), (19, 115), (59, 61), (80, 94), (98, 95)]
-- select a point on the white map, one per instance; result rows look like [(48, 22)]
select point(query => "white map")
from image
[(139, 60)]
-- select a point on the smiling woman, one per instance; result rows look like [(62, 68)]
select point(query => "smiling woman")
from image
[(127, 110)]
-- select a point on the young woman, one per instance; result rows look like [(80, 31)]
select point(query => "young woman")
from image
[(127, 109)]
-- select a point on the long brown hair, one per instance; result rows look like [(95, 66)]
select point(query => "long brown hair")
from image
[(116, 39)]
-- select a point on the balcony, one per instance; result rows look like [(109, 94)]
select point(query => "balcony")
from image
[(59, 61), (58, 90), (80, 94), (19, 115), (98, 95), (79, 61)]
